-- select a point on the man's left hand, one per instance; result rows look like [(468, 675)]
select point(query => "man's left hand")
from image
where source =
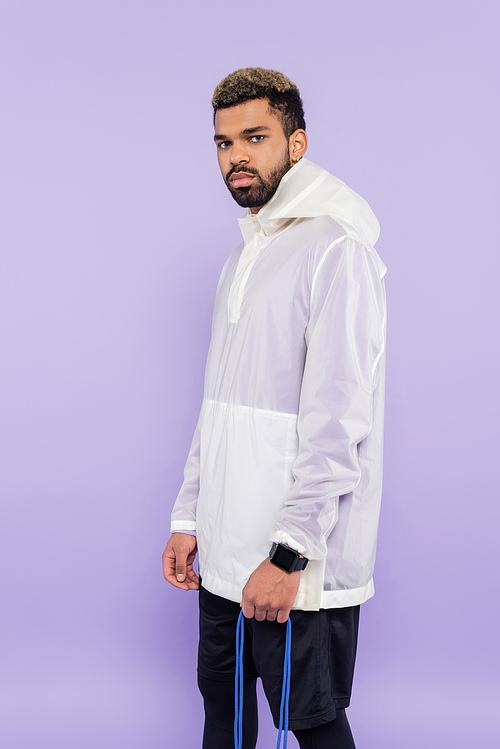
[(270, 593)]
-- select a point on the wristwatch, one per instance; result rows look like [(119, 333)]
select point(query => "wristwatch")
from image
[(288, 559)]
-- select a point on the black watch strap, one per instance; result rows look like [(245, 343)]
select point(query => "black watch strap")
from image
[(287, 558)]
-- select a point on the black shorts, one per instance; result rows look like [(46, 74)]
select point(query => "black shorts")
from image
[(323, 656)]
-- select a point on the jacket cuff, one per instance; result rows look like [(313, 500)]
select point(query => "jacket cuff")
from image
[(183, 526), (280, 537)]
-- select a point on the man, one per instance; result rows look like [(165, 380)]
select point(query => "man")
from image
[(283, 480)]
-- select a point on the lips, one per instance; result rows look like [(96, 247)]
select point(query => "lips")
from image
[(241, 179)]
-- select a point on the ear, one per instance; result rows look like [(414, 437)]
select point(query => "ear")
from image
[(297, 146)]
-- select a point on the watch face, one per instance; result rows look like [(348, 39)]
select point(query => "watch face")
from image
[(284, 557)]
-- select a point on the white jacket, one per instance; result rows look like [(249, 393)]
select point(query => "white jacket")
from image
[(288, 445)]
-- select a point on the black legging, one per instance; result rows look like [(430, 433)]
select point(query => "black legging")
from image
[(218, 698)]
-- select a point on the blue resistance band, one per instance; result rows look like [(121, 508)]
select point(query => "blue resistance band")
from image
[(238, 685)]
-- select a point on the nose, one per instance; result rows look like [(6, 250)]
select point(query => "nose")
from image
[(239, 154)]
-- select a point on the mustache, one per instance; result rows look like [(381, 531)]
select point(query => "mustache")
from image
[(237, 169)]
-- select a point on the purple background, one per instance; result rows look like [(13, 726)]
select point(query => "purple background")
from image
[(114, 227)]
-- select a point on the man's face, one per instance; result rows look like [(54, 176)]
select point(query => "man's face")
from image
[(252, 151)]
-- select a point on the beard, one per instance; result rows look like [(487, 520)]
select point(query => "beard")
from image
[(262, 189)]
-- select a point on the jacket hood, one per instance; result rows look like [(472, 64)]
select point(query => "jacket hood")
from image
[(308, 191)]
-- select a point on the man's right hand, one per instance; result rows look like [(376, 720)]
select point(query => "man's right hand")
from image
[(178, 559)]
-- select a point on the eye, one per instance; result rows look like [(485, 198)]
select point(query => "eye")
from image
[(223, 144), (257, 138)]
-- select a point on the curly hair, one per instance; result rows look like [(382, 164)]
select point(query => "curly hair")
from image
[(259, 83)]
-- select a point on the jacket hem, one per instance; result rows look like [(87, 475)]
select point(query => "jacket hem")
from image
[(338, 599), (221, 588), (330, 599)]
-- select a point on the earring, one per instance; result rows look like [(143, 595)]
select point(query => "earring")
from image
[(297, 158)]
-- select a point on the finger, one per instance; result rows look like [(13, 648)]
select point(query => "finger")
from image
[(172, 579), (180, 566), (248, 610), (168, 563), (191, 574), (271, 616), (169, 572), (260, 614), (186, 585), (282, 616)]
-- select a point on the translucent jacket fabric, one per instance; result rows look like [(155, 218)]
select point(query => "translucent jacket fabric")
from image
[(288, 445)]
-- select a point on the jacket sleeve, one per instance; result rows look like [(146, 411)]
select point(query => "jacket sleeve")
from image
[(183, 519), (345, 339), (184, 512)]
